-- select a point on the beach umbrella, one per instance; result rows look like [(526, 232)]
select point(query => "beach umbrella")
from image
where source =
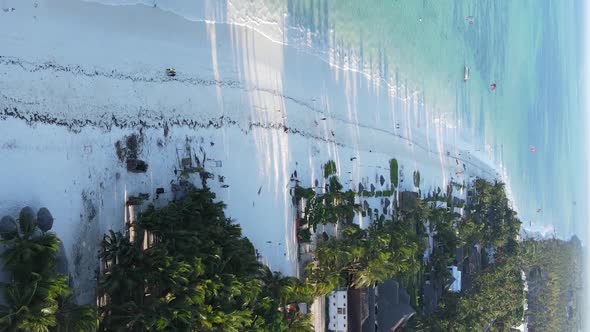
[(27, 219), (7, 227), (44, 219)]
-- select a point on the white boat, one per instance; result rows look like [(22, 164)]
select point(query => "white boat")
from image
[(466, 74)]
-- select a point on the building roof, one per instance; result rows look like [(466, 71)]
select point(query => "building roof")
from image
[(383, 310), (393, 304), (368, 324), (356, 309), (456, 283), (337, 310)]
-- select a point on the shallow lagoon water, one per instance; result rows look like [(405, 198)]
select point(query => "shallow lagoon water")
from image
[(530, 49)]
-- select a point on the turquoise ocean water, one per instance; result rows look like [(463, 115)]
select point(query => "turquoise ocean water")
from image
[(529, 48)]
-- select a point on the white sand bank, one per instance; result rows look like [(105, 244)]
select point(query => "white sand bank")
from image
[(85, 74)]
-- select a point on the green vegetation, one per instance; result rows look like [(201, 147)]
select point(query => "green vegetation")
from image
[(446, 242), (495, 300), (304, 235), (378, 193), (355, 257), (364, 257), (416, 179), (367, 193), (199, 274), (492, 212), (334, 184), (189, 268), (555, 278), (307, 193), (37, 298), (495, 295), (329, 168), (328, 208), (393, 172)]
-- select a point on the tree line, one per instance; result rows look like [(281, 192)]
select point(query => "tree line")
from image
[(554, 270), (37, 298), (494, 300), (198, 274)]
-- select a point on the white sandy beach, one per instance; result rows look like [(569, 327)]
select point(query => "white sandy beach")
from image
[(76, 76)]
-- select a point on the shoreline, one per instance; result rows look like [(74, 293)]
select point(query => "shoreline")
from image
[(268, 94)]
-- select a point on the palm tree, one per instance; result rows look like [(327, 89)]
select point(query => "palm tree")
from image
[(299, 322), (199, 275), (38, 297), (18, 313), (72, 317), (115, 246), (332, 256), (378, 270), (28, 252), (321, 281), (275, 284)]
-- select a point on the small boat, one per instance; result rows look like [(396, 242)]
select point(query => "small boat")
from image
[(466, 74)]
